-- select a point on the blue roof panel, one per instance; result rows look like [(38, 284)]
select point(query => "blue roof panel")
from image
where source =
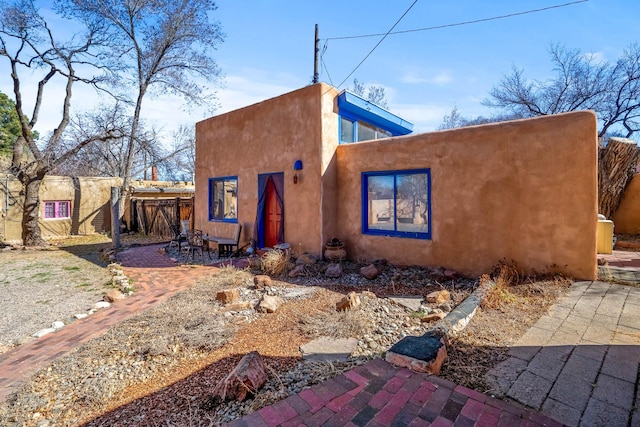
[(356, 107)]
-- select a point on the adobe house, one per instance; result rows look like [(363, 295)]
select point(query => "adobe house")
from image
[(315, 164)]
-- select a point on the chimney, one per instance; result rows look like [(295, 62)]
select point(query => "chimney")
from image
[(154, 173)]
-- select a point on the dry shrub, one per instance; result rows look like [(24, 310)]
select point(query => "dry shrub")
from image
[(336, 324), (512, 286), (227, 277), (275, 262)]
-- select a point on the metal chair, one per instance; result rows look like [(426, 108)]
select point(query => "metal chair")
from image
[(194, 243), (177, 236)]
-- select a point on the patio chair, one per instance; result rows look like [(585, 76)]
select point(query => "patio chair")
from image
[(194, 243), (177, 236)]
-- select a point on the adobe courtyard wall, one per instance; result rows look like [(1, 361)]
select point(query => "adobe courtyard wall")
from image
[(90, 206), (626, 219), (523, 190)]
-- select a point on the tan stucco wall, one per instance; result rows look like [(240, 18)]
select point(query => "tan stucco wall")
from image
[(626, 219), (90, 204), (269, 137), (522, 190)]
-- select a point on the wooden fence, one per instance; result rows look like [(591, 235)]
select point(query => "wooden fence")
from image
[(154, 216)]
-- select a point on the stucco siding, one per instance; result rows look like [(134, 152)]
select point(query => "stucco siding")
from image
[(89, 199), (522, 190), (626, 218), (267, 137)]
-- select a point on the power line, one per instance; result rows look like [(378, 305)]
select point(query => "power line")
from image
[(459, 23), (379, 42)]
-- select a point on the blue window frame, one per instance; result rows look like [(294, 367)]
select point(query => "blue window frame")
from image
[(223, 199), (397, 203)]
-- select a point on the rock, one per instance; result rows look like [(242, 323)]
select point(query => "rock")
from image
[(80, 315), (43, 332), (350, 301), (439, 297), (333, 271), (445, 306), (228, 296), (368, 294), (305, 259), (269, 304), (261, 281), (245, 379), (114, 295), (162, 251), (451, 274), (239, 306), (101, 304), (369, 272), (421, 354), (297, 270), (57, 324), (433, 317)]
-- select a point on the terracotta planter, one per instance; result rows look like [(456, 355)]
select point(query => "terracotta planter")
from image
[(335, 253)]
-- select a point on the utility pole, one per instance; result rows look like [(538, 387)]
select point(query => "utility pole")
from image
[(316, 76)]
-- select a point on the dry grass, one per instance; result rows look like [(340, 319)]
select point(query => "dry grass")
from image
[(336, 324), (509, 310), (275, 262)]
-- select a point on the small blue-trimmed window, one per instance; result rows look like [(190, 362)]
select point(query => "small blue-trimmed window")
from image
[(397, 203), (223, 199)]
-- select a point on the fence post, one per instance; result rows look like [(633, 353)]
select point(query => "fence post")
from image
[(115, 217)]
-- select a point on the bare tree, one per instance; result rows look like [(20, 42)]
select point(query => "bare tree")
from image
[(455, 119), (372, 93), (106, 158), (581, 83), (28, 44), (181, 166), (167, 45)]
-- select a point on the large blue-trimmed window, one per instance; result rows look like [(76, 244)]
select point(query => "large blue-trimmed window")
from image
[(397, 203), (223, 199)]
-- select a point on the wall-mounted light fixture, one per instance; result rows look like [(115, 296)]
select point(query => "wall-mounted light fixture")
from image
[(297, 166)]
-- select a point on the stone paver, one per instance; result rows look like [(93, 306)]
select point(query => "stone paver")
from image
[(579, 363)]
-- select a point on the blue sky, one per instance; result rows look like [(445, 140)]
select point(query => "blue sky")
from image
[(269, 47), (268, 51)]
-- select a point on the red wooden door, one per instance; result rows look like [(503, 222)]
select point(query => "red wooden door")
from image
[(273, 215)]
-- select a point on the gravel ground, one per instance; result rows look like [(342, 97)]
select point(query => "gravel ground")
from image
[(40, 287)]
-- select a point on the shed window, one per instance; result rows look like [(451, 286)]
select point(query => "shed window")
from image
[(397, 203), (223, 199), (56, 209)]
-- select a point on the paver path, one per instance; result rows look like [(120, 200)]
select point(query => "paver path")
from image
[(155, 277), (579, 363), (377, 394)]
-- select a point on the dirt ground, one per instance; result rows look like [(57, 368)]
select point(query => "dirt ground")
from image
[(160, 367)]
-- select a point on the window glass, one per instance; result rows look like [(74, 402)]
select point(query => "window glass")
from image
[(56, 209), (346, 130), (380, 210), (366, 132), (49, 209), (223, 199), (411, 203), (63, 209), (397, 203)]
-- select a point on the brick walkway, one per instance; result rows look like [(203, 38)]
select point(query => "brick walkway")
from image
[(378, 394), (622, 265), (155, 277)]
